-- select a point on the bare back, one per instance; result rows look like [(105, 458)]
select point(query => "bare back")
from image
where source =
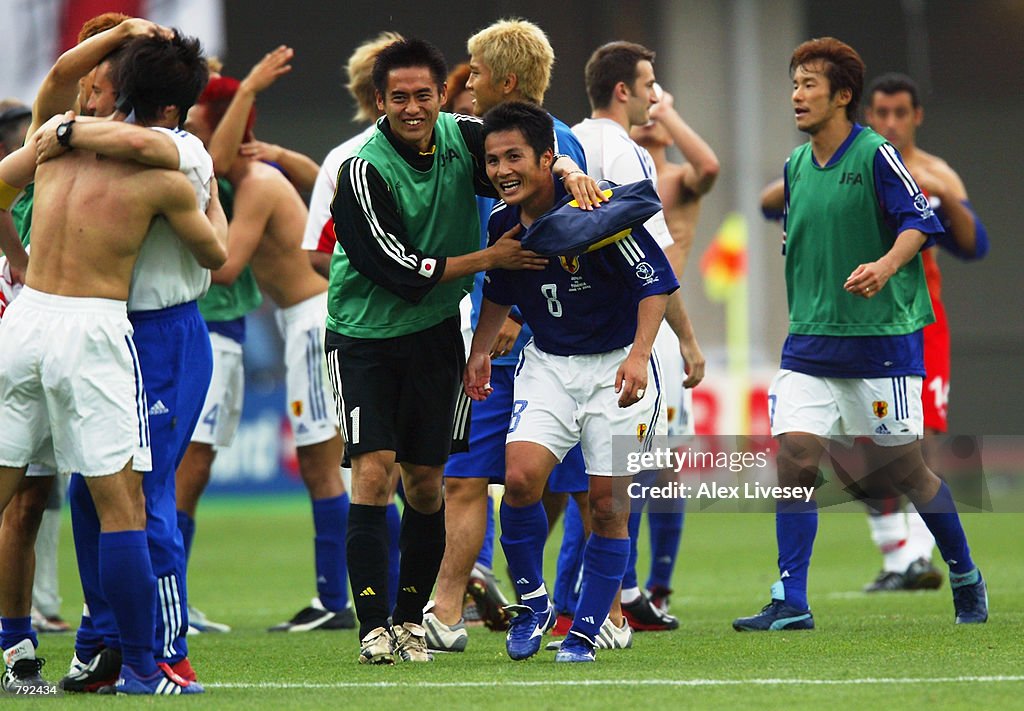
[(279, 263), (90, 217), (681, 207)]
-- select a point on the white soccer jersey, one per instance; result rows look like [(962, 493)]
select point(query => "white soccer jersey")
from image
[(613, 155), (166, 274), (325, 186)]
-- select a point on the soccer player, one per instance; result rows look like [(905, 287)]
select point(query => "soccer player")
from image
[(894, 110), (852, 364), (319, 240), (167, 329), (90, 221), (587, 376), (510, 60), (681, 188), (408, 237), (621, 88), (265, 231)]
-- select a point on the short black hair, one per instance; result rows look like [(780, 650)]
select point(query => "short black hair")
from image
[(532, 121), (894, 83), (154, 72), (409, 53)]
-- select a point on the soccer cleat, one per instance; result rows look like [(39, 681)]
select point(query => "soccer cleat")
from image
[(199, 623), (411, 643), (922, 575), (471, 615), (48, 623), (102, 670), (576, 648), (608, 636), (441, 637), (970, 600), (660, 597), (887, 581), (183, 668), (643, 616), (22, 670), (76, 665), (377, 647), (562, 625), (490, 601), (163, 683), (776, 615), (317, 617), (525, 630)]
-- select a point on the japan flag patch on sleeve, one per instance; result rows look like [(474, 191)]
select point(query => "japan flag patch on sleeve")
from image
[(427, 267)]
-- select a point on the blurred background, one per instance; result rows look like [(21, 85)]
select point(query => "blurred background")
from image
[(726, 63)]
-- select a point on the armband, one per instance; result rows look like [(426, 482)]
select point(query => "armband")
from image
[(8, 194)]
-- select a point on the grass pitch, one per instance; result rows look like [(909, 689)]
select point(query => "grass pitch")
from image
[(252, 567)]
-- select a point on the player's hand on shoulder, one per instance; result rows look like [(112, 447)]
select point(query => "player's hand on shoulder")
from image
[(584, 190), (508, 253), (47, 145)]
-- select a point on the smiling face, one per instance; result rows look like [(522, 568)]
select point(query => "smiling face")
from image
[(412, 102), (894, 116), (519, 176), (814, 107), (481, 85), (102, 97)]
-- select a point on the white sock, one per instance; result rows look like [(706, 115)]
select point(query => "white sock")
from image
[(920, 540), (889, 532), (630, 595)]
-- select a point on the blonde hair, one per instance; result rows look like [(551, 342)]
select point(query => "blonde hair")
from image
[(360, 74), (517, 47)]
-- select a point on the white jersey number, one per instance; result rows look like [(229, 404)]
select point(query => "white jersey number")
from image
[(550, 292)]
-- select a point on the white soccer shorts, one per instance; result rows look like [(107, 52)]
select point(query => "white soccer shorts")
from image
[(222, 409), (71, 392), (311, 407), (562, 400), (888, 410), (678, 410)]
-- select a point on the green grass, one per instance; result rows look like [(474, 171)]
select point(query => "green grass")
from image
[(252, 567)]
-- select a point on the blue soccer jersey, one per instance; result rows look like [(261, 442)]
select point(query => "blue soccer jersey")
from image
[(585, 304)]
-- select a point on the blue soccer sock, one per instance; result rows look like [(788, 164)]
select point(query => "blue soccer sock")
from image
[(85, 528), (330, 524), (570, 560), (942, 520), (666, 532), (16, 629), (130, 587), (187, 526), (604, 562), (796, 525), (486, 556), (87, 640), (394, 523), (629, 578), (523, 533)]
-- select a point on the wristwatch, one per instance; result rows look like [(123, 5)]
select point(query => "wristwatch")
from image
[(64, 133)]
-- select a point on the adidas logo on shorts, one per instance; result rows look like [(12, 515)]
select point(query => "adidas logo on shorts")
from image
[(158, 408)]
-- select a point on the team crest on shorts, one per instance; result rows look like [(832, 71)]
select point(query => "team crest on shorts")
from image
[(570, 264), (297, 408), (880, 408), (641, 430)]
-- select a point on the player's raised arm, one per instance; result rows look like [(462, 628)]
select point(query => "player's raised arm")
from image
[(114, 139)]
